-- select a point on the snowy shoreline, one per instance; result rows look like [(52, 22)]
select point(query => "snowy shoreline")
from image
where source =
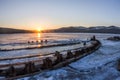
[(97, 66)]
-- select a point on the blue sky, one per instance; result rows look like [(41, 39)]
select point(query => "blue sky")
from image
[(50, 14)]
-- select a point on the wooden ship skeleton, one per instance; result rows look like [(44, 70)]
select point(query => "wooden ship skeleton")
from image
[(52, 61)]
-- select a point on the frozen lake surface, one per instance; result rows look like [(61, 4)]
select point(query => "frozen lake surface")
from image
[(100, 65)]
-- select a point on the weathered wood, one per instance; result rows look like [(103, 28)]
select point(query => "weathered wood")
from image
[(47, 63), (59, 57), (31, 68), (69, 55)]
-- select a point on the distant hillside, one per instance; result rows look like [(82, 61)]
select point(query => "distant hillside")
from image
[(97, 29), (78, 29), (10, 30)]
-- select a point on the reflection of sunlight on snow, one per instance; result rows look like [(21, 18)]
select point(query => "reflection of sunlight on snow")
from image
[(39, 45), (38, 37)]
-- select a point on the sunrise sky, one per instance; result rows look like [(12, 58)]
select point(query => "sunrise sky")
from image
[(52, 14)]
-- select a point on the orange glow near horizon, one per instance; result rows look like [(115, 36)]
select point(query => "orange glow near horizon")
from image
[(39, 29)]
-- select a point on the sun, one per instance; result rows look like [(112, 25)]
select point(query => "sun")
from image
[(39, 30)]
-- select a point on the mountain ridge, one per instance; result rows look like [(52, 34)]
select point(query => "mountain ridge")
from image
[(75, 29), (81, 29), (11, 30)]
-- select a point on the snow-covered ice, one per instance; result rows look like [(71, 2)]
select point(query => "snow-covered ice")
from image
[(100, 65)]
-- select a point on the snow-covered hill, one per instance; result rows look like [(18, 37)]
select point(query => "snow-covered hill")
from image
[(95, 29)]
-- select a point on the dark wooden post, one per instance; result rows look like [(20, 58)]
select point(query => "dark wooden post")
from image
[(46, 41), (76, 53), (32, 67), (59, 57), (84, 43), (28, 42), (27, 68), (69, 55), (93, 38), (47, 63), (41, 41), (11, 72)]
